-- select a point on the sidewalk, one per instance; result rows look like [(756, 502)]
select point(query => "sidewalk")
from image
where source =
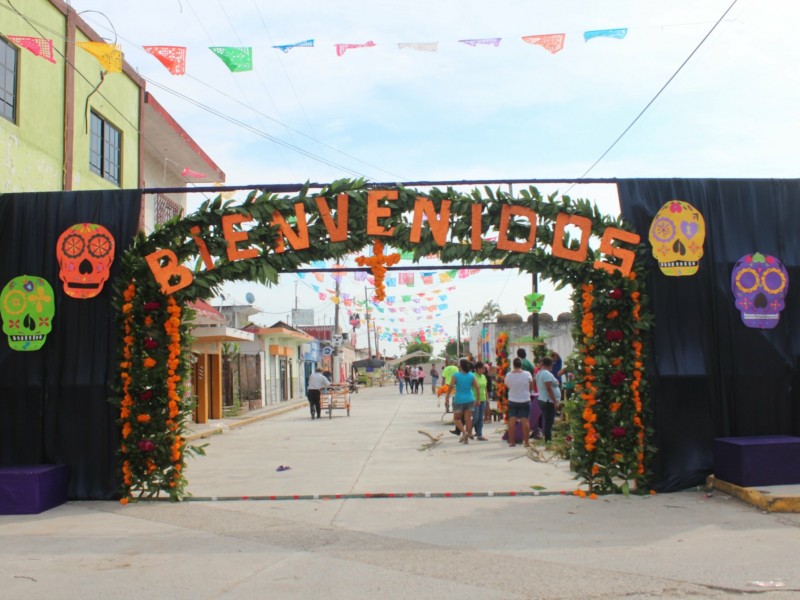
[(217, 426)]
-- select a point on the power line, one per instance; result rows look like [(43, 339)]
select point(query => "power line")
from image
[(653, 99)]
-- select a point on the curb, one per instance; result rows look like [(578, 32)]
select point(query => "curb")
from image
[(227, 425), (754, 497)]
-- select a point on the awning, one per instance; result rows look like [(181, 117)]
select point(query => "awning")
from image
[(221, 333), (417, 354)]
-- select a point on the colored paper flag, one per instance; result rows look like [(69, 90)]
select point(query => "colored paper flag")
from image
[(612, 33), (236, 59), (342, 48), (552, 42), (108, 55), (172, 57), (189, 174), (304, 44), (422, 46), (38, 46), (427, 279), (534, 302), (484, 42), (406, 279), (444, 277)]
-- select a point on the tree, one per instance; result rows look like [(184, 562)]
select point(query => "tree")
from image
[(451, 351), (418, 346), (489, 311)]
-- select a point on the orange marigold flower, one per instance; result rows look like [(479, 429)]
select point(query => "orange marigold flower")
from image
[(124, 501), (613, 314), (144, 418), (149, 363), (614, 406)]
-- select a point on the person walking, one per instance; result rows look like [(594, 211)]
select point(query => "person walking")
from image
[(447, 374), (465, 386), (400, 378), (407, 378), (519, 384), (434, 378), (316, 383), (481, 405), (549, 396)]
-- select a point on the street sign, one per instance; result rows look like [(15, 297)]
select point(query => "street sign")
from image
[(327, 350)]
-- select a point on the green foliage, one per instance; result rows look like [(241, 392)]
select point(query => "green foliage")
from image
[(416, 347)]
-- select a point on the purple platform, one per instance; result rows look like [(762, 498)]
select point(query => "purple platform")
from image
[(29, 490), (758, 460)]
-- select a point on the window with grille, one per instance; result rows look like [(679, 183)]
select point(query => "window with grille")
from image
[(104, 149), (8, 80)]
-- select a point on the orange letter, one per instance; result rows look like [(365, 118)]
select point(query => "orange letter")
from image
[(477, 226), (582, 223), (439, 223), (375, 212), (228, 221), (626, 256), (503, 243), (164, 273), (299, 240), (201, 245), (338, 232)]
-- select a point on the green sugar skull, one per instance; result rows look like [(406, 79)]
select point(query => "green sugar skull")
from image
[(27, 304)]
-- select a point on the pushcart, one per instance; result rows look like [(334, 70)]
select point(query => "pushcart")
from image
[(336, 396)]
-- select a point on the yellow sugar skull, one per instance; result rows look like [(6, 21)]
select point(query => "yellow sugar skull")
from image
[(677, 234)]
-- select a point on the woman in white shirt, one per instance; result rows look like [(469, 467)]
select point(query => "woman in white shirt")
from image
[(519, 384)]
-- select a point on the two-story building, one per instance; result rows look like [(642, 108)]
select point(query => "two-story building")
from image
[(71, 122)]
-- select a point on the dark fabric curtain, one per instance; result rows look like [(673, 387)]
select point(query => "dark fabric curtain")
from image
[(712, 376), (55, 401)]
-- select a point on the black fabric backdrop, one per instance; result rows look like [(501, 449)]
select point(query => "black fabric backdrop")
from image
[(55, 401), (711, 376)]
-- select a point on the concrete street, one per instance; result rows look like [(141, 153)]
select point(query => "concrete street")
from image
[(481, 533)]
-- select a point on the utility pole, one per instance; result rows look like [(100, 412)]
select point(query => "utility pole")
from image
[(458, 337), (535, 319), (366, 307), (335, 332)]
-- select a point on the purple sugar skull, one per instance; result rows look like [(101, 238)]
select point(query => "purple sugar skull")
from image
[(759, 283)]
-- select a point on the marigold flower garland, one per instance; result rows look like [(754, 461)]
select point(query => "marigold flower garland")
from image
[(613, 456), (501, 351), (377, 264), (151, 409)]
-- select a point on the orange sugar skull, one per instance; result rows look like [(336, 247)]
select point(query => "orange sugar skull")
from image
[(85, 252)]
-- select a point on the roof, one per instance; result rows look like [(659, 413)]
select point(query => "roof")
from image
[(166, 137), (206, 314), (281, 329)]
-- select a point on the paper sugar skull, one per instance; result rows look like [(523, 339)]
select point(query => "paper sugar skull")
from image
[(759, 283), (677, 234), (85, 252), (27, 305)]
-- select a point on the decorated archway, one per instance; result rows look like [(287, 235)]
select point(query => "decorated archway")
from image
[(267, 235)]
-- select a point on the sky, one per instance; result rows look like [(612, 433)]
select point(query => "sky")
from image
[(726, 107)]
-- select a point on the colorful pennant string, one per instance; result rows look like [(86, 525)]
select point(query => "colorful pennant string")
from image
[(236, 59), (612, 33), (342, 48), (38, 46), (286, 47), (172, 57), (108, 55), (552, 42)]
